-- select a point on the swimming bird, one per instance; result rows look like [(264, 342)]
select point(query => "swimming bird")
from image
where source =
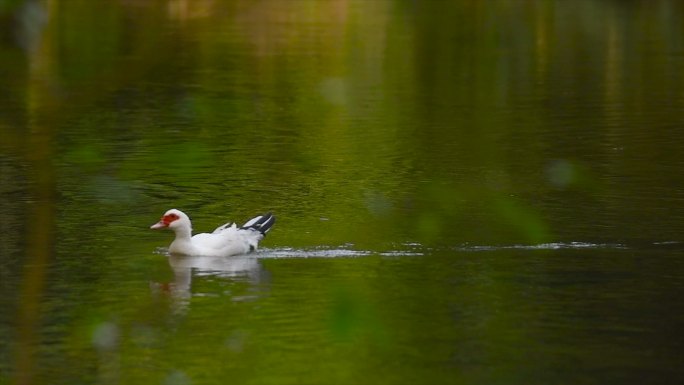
[(226, 240)]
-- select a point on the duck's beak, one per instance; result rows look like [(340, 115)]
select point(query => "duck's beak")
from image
[(159, 225)]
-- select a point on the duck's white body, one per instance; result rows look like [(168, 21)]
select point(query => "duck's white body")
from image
[(225, 241)]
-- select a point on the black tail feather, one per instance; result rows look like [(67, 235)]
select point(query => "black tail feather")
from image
[(262, 223)]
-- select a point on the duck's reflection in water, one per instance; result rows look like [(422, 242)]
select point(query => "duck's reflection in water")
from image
[(234, 271)]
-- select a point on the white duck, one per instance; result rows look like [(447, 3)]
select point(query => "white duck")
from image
[(225, 241)]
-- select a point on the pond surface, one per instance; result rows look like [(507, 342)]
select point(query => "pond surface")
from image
[(466, 192)]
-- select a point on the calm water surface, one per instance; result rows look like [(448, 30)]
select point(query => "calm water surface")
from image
[(466, 192)]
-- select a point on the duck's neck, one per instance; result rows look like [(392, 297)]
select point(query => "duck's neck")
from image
[(183, 233), (183, 242)]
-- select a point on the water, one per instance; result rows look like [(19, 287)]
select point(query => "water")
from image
[(466, 192)]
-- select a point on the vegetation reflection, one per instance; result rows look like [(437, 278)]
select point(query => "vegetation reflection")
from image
[(370, 125)]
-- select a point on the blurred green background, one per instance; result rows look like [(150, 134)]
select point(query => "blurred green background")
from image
[(466, 191)]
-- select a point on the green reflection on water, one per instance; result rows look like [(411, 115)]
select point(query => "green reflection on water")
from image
[(376, 125)]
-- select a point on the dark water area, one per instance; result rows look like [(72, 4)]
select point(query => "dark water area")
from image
[(467, 192)]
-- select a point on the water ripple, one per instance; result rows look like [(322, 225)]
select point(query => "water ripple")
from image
[(325, 252), (416, 249), (545, 246)]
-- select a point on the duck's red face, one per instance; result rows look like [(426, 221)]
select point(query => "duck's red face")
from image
[(165, 221)]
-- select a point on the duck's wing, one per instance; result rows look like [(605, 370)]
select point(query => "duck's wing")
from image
[(216, 240), (224, 227), (228, 239), (260, 223)]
